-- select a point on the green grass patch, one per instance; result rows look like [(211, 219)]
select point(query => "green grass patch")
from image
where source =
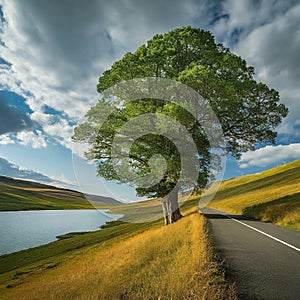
[(24, 195), (272, 196)]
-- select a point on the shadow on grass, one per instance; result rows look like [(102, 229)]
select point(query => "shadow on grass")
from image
[(211, 216), (278, 179), (274, 210), (284, 211)]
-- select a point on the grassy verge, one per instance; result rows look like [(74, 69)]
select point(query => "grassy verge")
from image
[(72, 244), (173, 262), (122, 261), (271, 196), (53, 253)]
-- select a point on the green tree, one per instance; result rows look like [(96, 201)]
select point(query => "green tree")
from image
[(248, 110)]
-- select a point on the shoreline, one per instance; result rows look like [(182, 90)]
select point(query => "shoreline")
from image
[(50, 237)]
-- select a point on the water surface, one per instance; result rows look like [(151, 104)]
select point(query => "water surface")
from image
[(26, 229)]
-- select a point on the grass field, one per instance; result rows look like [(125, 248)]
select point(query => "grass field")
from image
[(272, 196), (112, 232), (25, 195), (122, 261), (142, 260)]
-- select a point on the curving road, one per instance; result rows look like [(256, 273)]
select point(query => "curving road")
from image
[(262, 258)]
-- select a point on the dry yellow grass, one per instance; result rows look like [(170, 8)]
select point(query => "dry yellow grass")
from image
[(173, 262), (272, 196)]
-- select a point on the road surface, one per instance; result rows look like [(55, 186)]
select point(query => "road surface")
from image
[(262, 258)]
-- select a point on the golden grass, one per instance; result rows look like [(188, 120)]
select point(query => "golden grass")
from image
[(272, 196), (173, 262)]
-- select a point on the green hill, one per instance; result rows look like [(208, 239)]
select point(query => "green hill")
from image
[(146, 260), (272, 196), (18, 194)]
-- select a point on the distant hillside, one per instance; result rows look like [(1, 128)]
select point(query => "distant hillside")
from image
[(95, 199), (273, 195), (16, 194)]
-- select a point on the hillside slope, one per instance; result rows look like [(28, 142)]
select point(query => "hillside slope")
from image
[(272, 196), (16, 194), (146, 261)]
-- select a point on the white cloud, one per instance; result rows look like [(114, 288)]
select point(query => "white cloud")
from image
[(57, 127), (5, 139), (57, 50), (79, 149), (270, 155), (7, 168), (33, 139)]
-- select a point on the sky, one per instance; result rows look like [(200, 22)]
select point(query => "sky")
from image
[(53, 52)]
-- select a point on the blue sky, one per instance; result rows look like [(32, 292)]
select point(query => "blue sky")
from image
[(53, 52)]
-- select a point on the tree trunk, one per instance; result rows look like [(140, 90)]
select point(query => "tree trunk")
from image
[(170, 206)]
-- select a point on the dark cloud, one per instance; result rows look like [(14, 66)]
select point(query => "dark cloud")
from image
[(61, 36), (12, 119), (11, 170), (273, 49), (4, 62), (57, 49), (244, 16), (76, 39), (1, 15)]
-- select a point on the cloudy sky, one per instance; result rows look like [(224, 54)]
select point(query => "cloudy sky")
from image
[(53, 52)]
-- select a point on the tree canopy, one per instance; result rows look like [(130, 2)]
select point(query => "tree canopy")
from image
[(248, 111)]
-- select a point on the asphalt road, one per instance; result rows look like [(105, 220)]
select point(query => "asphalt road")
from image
[(262, 267)]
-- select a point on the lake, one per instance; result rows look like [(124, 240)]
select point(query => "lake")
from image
[(26, 229)]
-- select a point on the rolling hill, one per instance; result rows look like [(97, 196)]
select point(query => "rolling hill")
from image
[(16, 194), (146, 260), (271, 196)]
